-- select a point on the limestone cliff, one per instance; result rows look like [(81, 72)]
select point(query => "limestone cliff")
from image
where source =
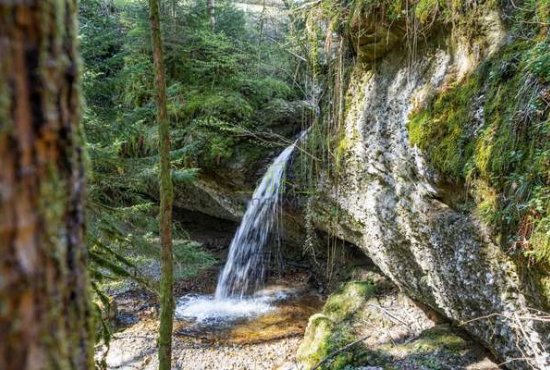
[(400, 210)]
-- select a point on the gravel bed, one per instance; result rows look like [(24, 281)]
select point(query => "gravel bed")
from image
[(135, 349)]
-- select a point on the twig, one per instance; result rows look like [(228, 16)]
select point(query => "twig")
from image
[(479, 318), (385, 312), (285, 141), (331, 355), (307, 5)]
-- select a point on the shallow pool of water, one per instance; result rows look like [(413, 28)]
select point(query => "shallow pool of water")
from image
[(271, 314)]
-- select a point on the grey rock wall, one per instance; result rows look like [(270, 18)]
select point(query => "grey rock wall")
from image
[(390, 207)]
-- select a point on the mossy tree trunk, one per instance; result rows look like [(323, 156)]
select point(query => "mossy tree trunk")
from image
[(45, 315), (166, 194)]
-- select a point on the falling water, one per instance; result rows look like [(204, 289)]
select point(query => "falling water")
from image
[(245, 268), (244, 272)]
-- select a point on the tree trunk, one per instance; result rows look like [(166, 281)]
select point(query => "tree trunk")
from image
[(166, 195), (211, 14), (45, 315)]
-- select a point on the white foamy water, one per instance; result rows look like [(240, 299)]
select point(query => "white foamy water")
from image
[(203, 308)]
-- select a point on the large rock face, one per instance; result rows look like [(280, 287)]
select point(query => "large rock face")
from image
[(393, 210)]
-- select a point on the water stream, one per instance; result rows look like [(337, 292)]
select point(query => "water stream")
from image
[(244, 271)]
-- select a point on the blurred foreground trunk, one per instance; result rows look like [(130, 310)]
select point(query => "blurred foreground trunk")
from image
[(45, 317)]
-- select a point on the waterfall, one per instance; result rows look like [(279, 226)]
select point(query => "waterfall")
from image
[(244, 270)]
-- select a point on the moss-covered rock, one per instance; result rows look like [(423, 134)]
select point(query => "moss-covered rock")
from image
[(315, 344), (368, 323), (348, 300), (471, 133), (323, 339), (331, 330)]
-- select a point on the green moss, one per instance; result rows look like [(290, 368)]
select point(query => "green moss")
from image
[(348, 299), (314, 347), (332, 330), (441, 130), (427, 9), (342, 149), (437, 338), (322, 339), (505, 160), (543, 9)]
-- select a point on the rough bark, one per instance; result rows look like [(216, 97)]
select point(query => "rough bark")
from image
[(166, 194), (45, 316)]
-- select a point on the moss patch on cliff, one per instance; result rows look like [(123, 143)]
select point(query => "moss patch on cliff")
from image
[(491, 131), (374, 26)]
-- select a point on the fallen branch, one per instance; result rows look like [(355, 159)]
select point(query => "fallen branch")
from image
[(390, 315), (286, 142), (340, 350)]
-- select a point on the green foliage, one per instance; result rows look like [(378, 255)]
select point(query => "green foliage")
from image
[(100, 46), (492, 131), (211, 77), (348, 299), (215, 91)]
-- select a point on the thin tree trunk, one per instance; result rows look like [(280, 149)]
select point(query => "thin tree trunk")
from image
[(211, 13), (174, 14), (45, 315), (166, 195)]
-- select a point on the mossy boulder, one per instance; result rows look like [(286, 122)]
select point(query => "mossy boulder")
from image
[(349, 299), (332, 330), (322, 339), (314, 346)]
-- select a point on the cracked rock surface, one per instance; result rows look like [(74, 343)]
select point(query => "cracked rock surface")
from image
[(391, 207)]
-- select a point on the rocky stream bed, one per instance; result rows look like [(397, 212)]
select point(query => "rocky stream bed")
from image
[(390, 330)]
